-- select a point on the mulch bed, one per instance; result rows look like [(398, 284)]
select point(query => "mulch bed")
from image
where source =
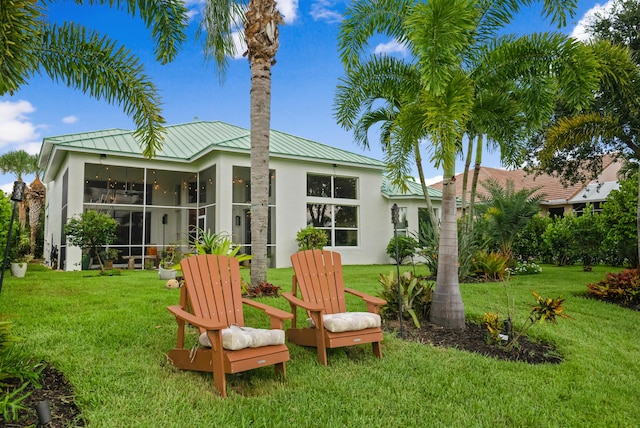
[(476, 338)]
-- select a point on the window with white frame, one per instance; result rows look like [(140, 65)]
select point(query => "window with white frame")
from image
[(338, 219)]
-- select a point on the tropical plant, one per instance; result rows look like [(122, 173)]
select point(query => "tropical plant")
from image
[(559, 247), (220, 244), (311, 238), (618, 287), (489, 265), (506, 212), (416, 294), (91, 231), (528, 244), (220, 23), (587, 237), (91, 62), (36, 198), (457, 51)]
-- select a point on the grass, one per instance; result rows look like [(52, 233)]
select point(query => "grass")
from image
[(109, 336)]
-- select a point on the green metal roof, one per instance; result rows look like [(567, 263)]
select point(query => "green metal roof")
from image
[(415, 191), (190, 141)]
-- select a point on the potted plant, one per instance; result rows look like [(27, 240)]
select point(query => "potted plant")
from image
[(90, 231), (166, 269), (109, 255), (21, 254)]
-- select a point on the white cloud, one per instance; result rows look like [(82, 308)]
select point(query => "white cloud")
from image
[(289, 10), (322, 10), (580, 30), (69, 119), (432, 180), (15, 127), (389, 48)]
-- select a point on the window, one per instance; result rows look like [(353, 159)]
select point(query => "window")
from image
[(327, 186), (340, 222), (403, 223)]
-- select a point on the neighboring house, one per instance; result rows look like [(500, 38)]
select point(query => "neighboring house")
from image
[(558, 200), (201, 179)]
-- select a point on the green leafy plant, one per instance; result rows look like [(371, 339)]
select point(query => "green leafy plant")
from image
[(311, 238), (407, 247), (622, 287), (489, 265), (546, 309), (416, 293), (492, 321), (219, 244), (91, 230)]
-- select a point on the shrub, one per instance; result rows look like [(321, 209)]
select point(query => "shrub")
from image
[(529, 244), (622, 287), (416, 293), (406, 247), (311, 238), (264, 289), (489, 265), (524, 268), (559, 247)]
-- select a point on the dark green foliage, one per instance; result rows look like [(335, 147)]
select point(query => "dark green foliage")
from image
[(416, 293), (5, 217), (91, 230), (587, 237), (558, 245), (407, 247), (618, 218), (622, 287), (311, 238), (528, 244)]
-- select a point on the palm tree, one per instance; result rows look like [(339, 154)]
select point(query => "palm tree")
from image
[(19, 162), (260, 24), (456, 49), (397, 85), (88, 61), (507, 212)]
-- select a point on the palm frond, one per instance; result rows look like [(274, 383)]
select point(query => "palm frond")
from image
[(363, 19), (167, 20), (93, 64)]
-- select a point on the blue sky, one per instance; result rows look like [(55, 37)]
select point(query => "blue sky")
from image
[(303, 80)]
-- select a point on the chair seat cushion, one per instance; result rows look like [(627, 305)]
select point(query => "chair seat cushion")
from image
[(236, 337), (349, 321)]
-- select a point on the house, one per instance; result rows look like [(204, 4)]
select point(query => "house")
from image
[(201, 179), (558, 199)]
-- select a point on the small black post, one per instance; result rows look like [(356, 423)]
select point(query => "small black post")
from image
[(43, 411), (395, 219), (16, 196)]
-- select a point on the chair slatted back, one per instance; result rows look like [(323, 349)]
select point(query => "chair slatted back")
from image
[(213, 287), (318, 274)]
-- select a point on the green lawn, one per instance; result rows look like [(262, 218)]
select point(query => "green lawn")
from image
[(109, 336)]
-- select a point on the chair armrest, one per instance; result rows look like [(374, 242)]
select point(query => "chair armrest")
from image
[(315, 307), (194, 320), (276, 316), (373, 303)]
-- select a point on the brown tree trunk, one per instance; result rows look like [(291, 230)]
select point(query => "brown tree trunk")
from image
[(261, 32)]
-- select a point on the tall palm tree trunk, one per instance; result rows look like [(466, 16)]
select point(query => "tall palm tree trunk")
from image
[(261, 32), (432, 216), (476, 174), (447, 308)]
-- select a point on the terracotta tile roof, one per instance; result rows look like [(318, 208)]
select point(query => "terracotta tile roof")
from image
[(555, 192)]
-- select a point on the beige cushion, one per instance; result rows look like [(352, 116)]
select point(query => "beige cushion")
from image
[(349, 321), (235, 337)]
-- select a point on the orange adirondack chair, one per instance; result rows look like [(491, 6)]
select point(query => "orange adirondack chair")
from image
[(211, 300), (318, 275)]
